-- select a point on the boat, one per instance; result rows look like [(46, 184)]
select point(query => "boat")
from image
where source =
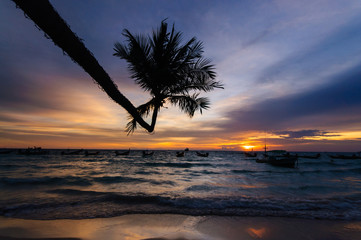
[(6, 151), (279, 161), (147, 154), (279, 152), (199, 154), (263, 159), (122, 153), (273, 158), (33, 151), (339, 156), (180, 154), (75, 152), (250, 154), (286, 161), (310, 156), (87, 153)]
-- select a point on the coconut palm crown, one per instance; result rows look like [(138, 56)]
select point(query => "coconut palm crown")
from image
[(169, 71)]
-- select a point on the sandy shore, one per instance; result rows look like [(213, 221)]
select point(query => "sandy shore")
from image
[(166, 227)]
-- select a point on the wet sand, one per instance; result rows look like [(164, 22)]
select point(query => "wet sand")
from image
[(179, 227)]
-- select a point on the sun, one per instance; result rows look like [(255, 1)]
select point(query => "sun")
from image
[(248, 147)]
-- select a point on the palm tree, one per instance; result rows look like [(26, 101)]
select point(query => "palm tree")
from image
[(47, 19), (169, 71)]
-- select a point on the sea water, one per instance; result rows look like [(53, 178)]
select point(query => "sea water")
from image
[(56, 186)]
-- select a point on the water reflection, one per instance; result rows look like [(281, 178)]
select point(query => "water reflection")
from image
[(257, 233)]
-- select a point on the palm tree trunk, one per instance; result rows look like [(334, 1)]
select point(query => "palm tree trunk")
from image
[(154, 118), (46, 18)]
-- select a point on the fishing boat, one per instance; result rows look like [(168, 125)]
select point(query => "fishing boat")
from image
[(33, 151), (250, 154), (125, 153), (310, 156), (87, 153), (148, 154), (279, 158), (75, 152), (180, 154), (339, 156), (6, 151), (277, 152), (285, 161), (200, 154)]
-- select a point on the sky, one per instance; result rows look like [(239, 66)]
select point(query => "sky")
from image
[(291, 72)]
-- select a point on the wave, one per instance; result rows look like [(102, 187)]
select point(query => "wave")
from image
[(18, 166), (69, 180), (356, 170), (120, 179), (176, 165), (207, 172), (200, 188), (298, 171), (245, 171), (78, 181), (9, 166), (117, 179), (342, 170), (142, 172), (291, 192), (71, 204)]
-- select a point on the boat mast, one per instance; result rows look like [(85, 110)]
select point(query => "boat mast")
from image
[(265, 143)]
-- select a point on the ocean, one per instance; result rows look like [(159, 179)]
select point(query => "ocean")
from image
[(55, 186)]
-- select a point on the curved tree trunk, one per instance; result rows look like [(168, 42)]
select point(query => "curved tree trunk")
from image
[(46, 18)]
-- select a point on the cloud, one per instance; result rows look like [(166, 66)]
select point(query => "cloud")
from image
[(231, 147), (319, 145), (304, 133), (339, 101), (309, 62)]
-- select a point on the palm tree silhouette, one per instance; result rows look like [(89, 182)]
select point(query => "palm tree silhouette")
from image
[(169, 71), (47, 19)]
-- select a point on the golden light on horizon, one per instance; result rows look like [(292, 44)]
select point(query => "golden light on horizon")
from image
[(248, 147)]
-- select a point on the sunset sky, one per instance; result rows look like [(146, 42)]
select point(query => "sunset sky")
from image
[(291, 71)]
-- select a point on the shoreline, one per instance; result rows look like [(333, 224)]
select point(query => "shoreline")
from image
[(179, 227)]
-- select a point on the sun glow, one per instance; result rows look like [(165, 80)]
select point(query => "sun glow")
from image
[(248, 147)]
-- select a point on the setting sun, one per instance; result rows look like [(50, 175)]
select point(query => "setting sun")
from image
[(248, 147)]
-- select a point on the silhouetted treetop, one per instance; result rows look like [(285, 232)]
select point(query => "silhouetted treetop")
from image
[(169, 70)]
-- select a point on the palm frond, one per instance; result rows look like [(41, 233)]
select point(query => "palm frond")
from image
[(131, 125), (159, 41), (203, 68), (190, 103), (169, 70), (137, 54), (144, 110), (201, 83), (121, 51), (173, 44), (188, 53)]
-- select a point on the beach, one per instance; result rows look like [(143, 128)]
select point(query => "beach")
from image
[(171, 226)]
